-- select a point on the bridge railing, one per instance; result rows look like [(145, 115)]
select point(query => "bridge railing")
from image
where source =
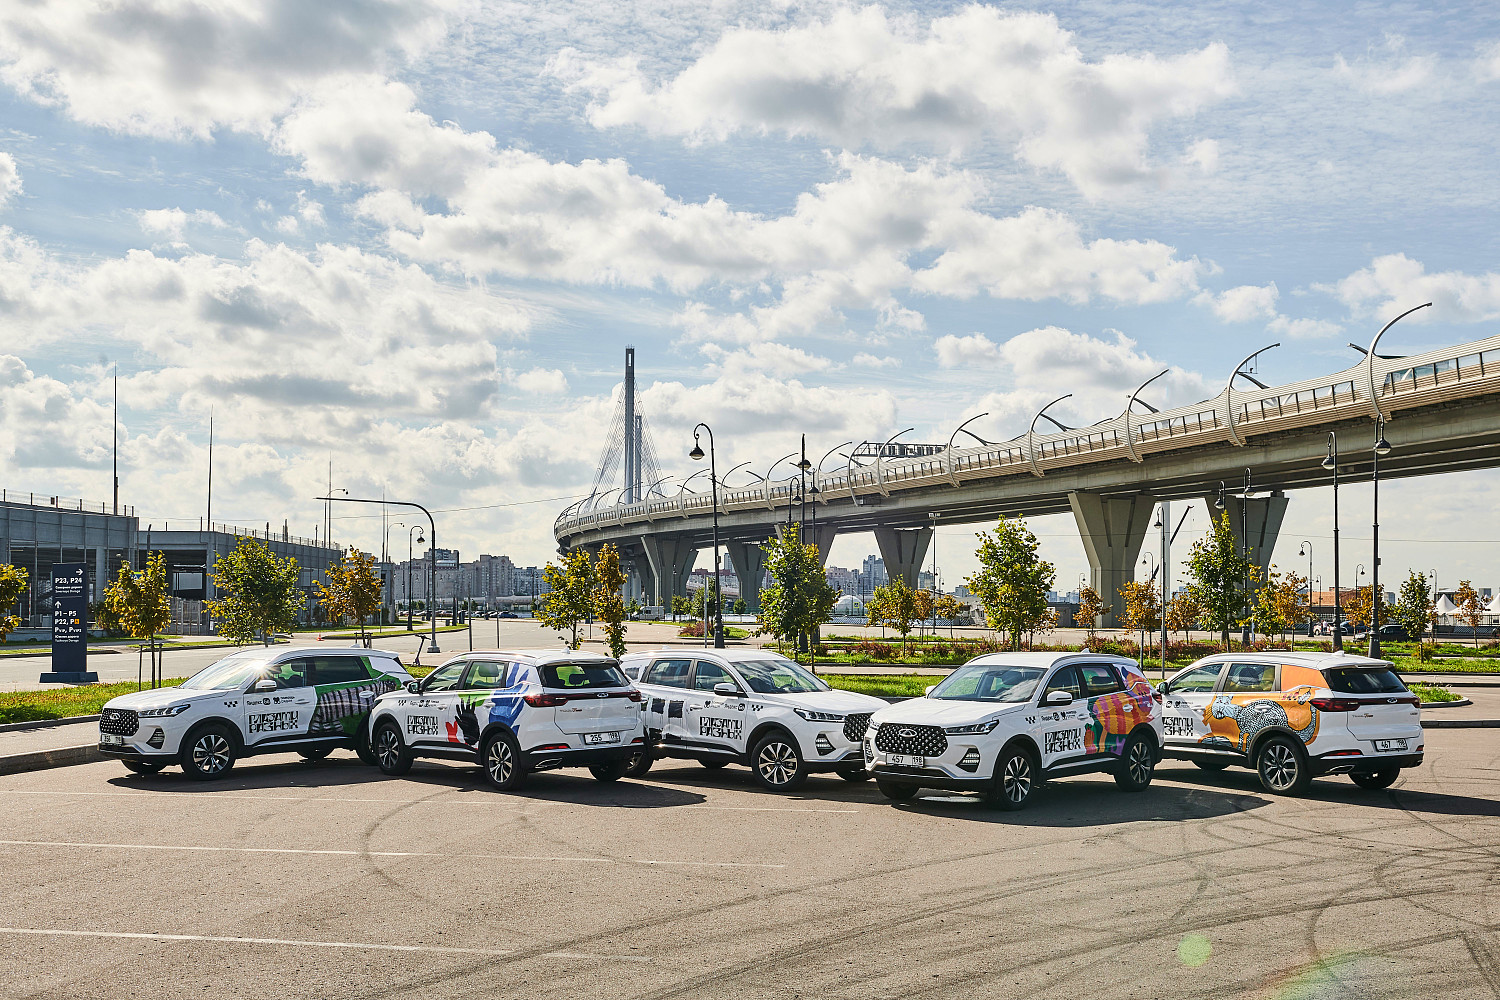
[(1372, 387)]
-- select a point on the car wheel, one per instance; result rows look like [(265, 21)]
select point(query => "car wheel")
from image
[(362, 747), (311, 755), (1137, 764), (392, 755), (1282, 767), (897, 793), (1212, 765), (613, 771), (1376, 780), (639, 763), (142, 766), (208, 753), (854, 774), (777, 762), (1015, 777), (714, 765), (501, 758)]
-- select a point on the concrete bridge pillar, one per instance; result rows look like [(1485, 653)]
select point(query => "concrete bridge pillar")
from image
[(1113, 529), (640, 582), (1261, 515), (903, 550), (749, 561), (820, 537), (671, 561)]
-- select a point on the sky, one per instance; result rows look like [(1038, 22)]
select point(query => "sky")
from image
[(412, 238)]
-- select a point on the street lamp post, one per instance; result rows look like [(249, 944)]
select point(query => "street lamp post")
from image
[(1381, 447), (1146, 560), (416, 529), (1331, 463), (1307, 550), (713, 477), (431, 545)]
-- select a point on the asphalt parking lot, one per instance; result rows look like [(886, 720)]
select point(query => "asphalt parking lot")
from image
[(297, 880)]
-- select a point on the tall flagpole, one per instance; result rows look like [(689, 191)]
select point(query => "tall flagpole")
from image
[(115, 435), (210, 469)]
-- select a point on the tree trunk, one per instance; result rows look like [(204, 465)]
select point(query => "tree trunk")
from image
[(1224, 638)]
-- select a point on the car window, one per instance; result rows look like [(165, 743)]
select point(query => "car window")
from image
[(582, 675), (708, 674), (778, 676), (1198, 679), (445, 678), (485, 675), (1352, 680), (988, 682), (1246, 677), (229, 674), (669, 673), (289, 673), (338, 670), (1065, 679), (633, 671), (1099, 678)]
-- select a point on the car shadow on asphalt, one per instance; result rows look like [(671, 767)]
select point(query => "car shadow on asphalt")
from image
[(1081, 802), (1338, 788)]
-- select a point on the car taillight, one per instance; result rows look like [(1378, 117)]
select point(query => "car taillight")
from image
[(1336, 704), (1410, 699), (546, 700), (634, 695)]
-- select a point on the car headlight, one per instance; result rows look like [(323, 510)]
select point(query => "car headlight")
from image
[(977, 729), (168, 711), (812, 716)]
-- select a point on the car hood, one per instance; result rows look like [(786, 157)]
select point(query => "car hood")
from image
[(164, 696), (843, 702), (936, 712)]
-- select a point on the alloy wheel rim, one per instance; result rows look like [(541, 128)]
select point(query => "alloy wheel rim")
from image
[(777, 763), (1280, 767), (499, 762), (211, 753), (1016, 779), (387, 749), (1140, 763)]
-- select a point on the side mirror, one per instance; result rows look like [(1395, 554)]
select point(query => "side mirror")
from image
[(415, 687), (263, 685), (1059, 698), (728, 690), (930, 688), (1165, 687)]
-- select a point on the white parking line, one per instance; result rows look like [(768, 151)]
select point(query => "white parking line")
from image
[(218, 849), (294, 943), (445, 802)]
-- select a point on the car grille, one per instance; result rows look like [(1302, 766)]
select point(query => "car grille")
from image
[(119, 722), (913, 741), (855, 726)]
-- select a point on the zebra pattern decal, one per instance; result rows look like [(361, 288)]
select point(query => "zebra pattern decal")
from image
[(1234, 721)]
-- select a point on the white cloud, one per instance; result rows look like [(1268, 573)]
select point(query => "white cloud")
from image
[(539, 381), (1487, 62), (1394, 283), (1204, 154), (1243, 303), (173, 222), (175, 68), (1300, 329), (10, 178), (1386, 72), (864, 360), (862, 79), (962, 352), (779, 360)]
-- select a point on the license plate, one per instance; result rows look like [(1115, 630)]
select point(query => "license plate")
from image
[(1390, 744), (904, 761), (117, 741), (601, 737)]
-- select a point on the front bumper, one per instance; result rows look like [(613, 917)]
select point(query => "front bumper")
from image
[(146, 755), (928, 777)]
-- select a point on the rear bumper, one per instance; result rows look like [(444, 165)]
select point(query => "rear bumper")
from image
[(548, 760), (1366, 764)]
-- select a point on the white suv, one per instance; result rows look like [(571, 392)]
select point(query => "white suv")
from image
[(513, 712), (256, 701), (749, 706), (1002, 723)]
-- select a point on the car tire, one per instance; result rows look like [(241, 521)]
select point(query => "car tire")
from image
[(1137, 764), (714, 765), (1212, 765), (777, 762), (391, 753), (142, 766), (362, 747), (613, 771), (854, 774), (1283, 766), (1015, 778), (895, 792), (639, 764), (208, 752), (500, 756), (1376, 780), (315, 755)]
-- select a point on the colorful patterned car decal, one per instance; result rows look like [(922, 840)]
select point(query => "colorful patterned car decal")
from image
[(342, 708), (1234, 721), (1109, 724)]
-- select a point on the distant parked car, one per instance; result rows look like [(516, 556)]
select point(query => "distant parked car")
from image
[(1394, 633), (508, 614)]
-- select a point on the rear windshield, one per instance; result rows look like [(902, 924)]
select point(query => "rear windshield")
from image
[(1349, 680), (582, 675)]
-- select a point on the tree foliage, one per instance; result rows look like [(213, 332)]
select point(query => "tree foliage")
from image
[(259, 593), (926, 606), (1470, 607), (1089, 610), (1414, 607), (799, 598), (609, 605), (1220, 576), (1182, 612), (1281, 604), (1013, 581), (352, 591), (569, 601), (1142, 607), (12, 586), (140, 602), (681, 606), (894, 606)]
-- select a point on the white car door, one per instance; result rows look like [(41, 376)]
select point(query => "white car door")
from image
[(1059, 729), (283, 714), (665, 685), (715, 721), (1184, 704), (432, 718)]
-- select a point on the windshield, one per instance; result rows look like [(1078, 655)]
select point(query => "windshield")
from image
[(778, 677), (1350, 680), (992, 682), (582, 675), (229, 674)]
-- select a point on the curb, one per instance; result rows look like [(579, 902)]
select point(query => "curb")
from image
[(1461, 723), (1428, 706), (43, 759), (17, 727)]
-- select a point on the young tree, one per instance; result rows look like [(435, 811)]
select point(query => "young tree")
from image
[(1359, 604), (681, 606), (139, 600), (926, 607), (260, 594), (609, 605), (1142, 610), (569, 600), (1470, 607), (894, 605), (1089, 610), (1220, 577), (1414, 606), (352, 591), (1013, 581), (12, 586), (738, 607), (1280, 604), (948, 608), (799, 598), (1182, 613)]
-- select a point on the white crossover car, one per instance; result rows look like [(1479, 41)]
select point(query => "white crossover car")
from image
[(749, 706), (256, 701), (1002, 723), (513, 713)]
